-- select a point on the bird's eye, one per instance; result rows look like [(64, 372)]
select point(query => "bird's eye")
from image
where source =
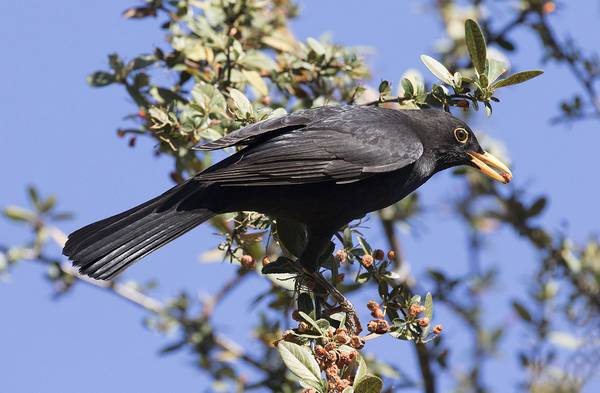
[(461, 135)]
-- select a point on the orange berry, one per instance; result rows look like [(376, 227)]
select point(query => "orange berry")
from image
[(247, 262), (372, 305), (341, 256), (549, 7)]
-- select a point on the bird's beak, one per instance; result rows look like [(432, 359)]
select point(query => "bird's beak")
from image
[(485, 162)]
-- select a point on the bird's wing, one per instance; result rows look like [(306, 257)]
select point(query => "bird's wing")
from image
[(343, 148), (257, 132)]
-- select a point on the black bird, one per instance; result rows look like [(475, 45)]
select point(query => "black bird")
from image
[(322, 167)]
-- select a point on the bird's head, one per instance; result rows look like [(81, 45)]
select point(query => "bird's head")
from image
[(451, 142)]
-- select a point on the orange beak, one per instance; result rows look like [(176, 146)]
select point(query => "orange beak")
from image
[(491, 166)]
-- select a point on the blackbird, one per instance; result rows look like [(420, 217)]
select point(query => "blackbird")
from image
[(322, 167)]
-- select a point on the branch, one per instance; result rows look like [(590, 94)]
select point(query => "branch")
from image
[(421, 349), (155, 306)]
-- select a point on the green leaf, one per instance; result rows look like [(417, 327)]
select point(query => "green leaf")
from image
[(566, 340), (311, 321), (364, 245), (48, 204), (17, 213), (315, 46), (438, 69), (101, 79), (385, 88), (258, 61), (517, 78), (522, 311), (300, 361), (292, 236), (495, 69), (368, 384), (241, 102), (488, 109), (407, 86), (361, 371), (33, 196), (256, 81), (537, 207), (476, 45), (428, 313)]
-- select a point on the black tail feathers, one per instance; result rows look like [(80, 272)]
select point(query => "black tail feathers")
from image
[(105, 248)]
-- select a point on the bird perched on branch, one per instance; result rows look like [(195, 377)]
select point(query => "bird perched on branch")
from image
[(322, 167)]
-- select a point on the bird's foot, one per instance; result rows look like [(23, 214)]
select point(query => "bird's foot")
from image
[(352, 321)]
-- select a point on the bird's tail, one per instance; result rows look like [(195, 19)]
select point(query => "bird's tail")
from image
[(105, 248)]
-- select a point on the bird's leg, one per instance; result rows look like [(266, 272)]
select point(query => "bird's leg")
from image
[(318, 241), (324, 288)]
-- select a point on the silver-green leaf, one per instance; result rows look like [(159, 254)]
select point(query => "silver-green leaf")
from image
[(438, 69), (517, 78), (301, 363), (369, 384), (361, 370), (476, 45), (428, 313)]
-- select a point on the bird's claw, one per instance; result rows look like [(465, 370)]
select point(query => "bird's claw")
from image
[(352, 321)]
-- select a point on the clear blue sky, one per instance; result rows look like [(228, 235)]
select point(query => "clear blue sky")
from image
[(59, 134)]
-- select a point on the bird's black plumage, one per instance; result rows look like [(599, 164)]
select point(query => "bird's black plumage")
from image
[(323, 167)]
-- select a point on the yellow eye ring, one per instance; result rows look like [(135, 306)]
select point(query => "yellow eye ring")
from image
[(461, 135)]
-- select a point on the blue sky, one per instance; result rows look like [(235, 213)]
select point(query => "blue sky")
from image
[(59, 134)]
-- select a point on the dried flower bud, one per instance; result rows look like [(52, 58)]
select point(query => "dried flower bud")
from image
[(330, 332), (357, 342), (377, 313), (423, 321), (415, 309), (331, 357), (437, 329), (342, 338), (391, 255), (341, 256), (342, 384), (378, 255), (332, 371), (341, 330), (320, 351), (344, 359), (330, 347), (247, 262), (378, 326), (367, 260), (309, 390), (372, 305), (266, 261)]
